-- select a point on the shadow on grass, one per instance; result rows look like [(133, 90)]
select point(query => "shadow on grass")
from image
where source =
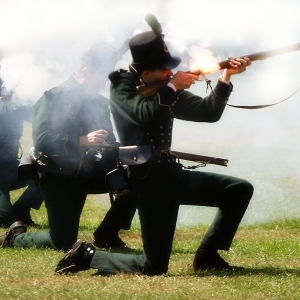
[(261, 272), (39, 226), (34, 226), (268, 271), (123, 250)]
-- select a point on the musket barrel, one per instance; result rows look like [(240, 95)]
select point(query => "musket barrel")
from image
[(263, 54), (149, 90), (201, 158)]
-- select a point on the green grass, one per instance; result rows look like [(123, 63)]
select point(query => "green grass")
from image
[(270, 252)]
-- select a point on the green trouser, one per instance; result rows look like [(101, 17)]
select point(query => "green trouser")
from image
[(64, 199), (32, 196), (158, 199)]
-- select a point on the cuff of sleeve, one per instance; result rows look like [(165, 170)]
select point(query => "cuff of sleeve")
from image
[(223, 90), (221, 79), (171, 85)]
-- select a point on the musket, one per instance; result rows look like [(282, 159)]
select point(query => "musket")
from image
[(201, 158), (143, 151), (150, 89)]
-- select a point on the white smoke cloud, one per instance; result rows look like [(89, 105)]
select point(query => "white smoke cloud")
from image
[(51, 35), (42, 40)]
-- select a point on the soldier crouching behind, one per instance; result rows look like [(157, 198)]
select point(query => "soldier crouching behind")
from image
[(12, 117), (70, 122)]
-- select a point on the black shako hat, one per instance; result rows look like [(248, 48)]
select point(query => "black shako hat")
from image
[(149, 50), (102, 57)]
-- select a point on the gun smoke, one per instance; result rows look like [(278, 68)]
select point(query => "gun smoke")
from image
[(203, 60), (42, 41)]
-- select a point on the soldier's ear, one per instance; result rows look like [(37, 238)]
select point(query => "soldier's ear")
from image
[(84, 72), (145, 75)]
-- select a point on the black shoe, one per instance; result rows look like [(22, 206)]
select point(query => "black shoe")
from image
[(109, 242), (8, 237), (24, 216), (77, 259), (211, 259)]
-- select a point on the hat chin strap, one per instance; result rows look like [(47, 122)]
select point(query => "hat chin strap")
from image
[(135, 73)]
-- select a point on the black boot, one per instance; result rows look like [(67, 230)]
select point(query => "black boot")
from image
[(211, 259), (8, 237), (79, 258), (108, 239)]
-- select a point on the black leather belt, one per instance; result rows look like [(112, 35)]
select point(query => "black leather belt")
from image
[(162, 152), (163, 156)]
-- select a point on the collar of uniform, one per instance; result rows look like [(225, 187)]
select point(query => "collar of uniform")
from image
[(77, 88), (135, 75)]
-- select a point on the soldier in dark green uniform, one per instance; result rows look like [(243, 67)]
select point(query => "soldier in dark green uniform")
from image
[(162, 185), (12, 116), (70, 122)]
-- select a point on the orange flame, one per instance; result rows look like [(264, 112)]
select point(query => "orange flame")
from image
[(203, 61)]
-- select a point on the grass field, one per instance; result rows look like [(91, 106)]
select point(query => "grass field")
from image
[(269, 250), (270, 253)]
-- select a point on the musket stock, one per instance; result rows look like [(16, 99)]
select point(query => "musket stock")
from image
[(201, 158), (151, 89)]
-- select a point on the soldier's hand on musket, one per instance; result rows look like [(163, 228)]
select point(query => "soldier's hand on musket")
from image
[(237, 65), (183, 80), (94, 138)]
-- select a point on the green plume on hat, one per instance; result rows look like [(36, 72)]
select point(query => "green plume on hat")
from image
[(154, 24)]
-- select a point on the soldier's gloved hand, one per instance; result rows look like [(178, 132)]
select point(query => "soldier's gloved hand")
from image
[(94, 138)]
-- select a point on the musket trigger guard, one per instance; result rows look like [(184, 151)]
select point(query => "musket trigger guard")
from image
[(200, 78)]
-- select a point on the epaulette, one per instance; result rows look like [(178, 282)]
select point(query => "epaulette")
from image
[(113, 76), (54, 92), (49, 95)]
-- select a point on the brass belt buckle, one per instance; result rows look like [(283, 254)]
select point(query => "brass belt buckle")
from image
[(165, 151)]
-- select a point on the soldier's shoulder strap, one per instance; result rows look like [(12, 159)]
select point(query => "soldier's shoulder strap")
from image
[(114, 76), (57, 91)]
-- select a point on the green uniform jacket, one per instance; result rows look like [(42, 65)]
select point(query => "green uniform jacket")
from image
[(61, 116), (12, 117), (150, 121)]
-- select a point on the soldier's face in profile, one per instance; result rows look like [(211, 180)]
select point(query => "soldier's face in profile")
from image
[(156, 75)]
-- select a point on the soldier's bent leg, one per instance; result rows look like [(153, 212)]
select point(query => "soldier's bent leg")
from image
[(35, 239), (8, 181), (229, 194), (31, 198), (112, 263), (7, 216), (83, 256), (64, 207), (158, 209), (119, 215), (64, 199)]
